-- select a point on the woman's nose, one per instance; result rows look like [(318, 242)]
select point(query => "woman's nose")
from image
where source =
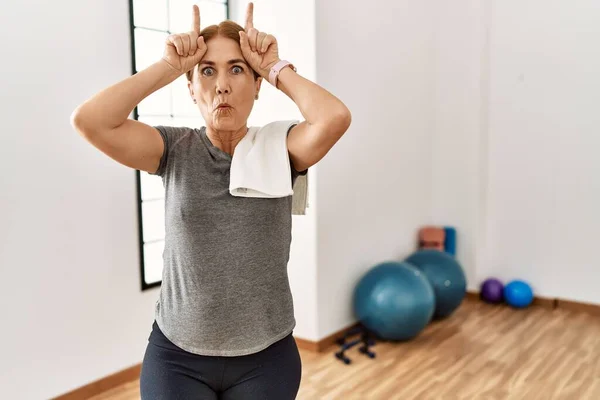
[(223, 87)]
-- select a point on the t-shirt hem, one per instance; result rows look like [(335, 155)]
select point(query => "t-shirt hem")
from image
[(228, 353)]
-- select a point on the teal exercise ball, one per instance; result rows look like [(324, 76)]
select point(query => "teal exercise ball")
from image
[(394, 300), (446, 277)]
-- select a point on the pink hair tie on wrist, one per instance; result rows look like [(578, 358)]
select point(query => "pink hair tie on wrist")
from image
[(276, 69)]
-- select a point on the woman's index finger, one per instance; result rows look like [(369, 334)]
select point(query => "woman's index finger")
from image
[(249, 16), (196, 19)]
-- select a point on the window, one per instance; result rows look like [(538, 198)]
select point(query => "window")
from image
[(151, 22)]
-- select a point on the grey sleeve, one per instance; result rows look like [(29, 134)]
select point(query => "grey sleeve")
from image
[(295, 173), (169, 135)]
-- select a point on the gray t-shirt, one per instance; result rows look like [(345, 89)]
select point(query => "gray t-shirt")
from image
[(225, 288)]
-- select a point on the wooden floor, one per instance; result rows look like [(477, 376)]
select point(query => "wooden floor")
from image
[(480, 352)]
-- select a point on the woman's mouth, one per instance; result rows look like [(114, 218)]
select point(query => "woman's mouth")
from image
[(223, 106), (223, 110)]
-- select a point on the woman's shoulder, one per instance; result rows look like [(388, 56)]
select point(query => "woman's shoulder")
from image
[(283, 124), (174, 134), (178, 129), (279, 126)]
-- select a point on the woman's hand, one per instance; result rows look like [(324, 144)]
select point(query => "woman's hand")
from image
[(183, 51), (259, 48)]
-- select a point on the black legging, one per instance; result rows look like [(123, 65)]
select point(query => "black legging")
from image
[(171, 373)]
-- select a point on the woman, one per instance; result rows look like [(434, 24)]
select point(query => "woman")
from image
[(224, 319)]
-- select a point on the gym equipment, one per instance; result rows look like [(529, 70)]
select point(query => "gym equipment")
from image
[(446, 277), (394, 300), (518, 294), (432, 237), (492, 291), (365, 338), (450, 242), (437, 238)]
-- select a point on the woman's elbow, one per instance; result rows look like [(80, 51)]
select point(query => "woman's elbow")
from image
[(81, 121), (78, 119), (343, 120)]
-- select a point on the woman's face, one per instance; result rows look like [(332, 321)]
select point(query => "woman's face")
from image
[(222, 76)]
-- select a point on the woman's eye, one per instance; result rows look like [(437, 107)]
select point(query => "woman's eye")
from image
[(207, 71), (237, 70)]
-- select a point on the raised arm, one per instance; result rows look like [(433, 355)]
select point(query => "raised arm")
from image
[(103, 119), (326, 117)]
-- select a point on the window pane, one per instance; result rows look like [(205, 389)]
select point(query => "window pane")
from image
[(158, 102), (153, 261), (156, 120), (190, 122), (153, 215), (152, 186), (149, 47), (180, 13), (150, 14), (182, 101)]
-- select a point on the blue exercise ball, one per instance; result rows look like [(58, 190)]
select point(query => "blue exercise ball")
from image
[(394, 300), (446, 277), (518, 294)]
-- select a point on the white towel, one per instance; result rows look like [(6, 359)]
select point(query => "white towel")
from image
[(260, 166)]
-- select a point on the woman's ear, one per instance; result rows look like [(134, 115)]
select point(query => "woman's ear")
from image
[(258, 84), (191, 89)]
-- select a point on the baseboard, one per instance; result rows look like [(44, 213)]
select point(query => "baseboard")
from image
[(553, 303), (544, 302), (307, 345), (325, 343), (577, 306), (472, 295), (103, 385)]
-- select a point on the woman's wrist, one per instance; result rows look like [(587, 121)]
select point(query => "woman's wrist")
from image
[(281, 72), (169, 72), (266, 72)]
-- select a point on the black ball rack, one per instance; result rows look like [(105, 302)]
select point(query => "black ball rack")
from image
[(366, 338)]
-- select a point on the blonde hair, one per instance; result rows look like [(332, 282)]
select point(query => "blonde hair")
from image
[(227, 29)]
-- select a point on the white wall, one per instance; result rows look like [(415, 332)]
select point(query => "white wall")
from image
[(73, 309), (459, 116), (544, 169), (374, 187), (515, 139)]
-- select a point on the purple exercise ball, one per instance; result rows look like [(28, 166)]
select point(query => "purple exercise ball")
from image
[(492, 290)]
